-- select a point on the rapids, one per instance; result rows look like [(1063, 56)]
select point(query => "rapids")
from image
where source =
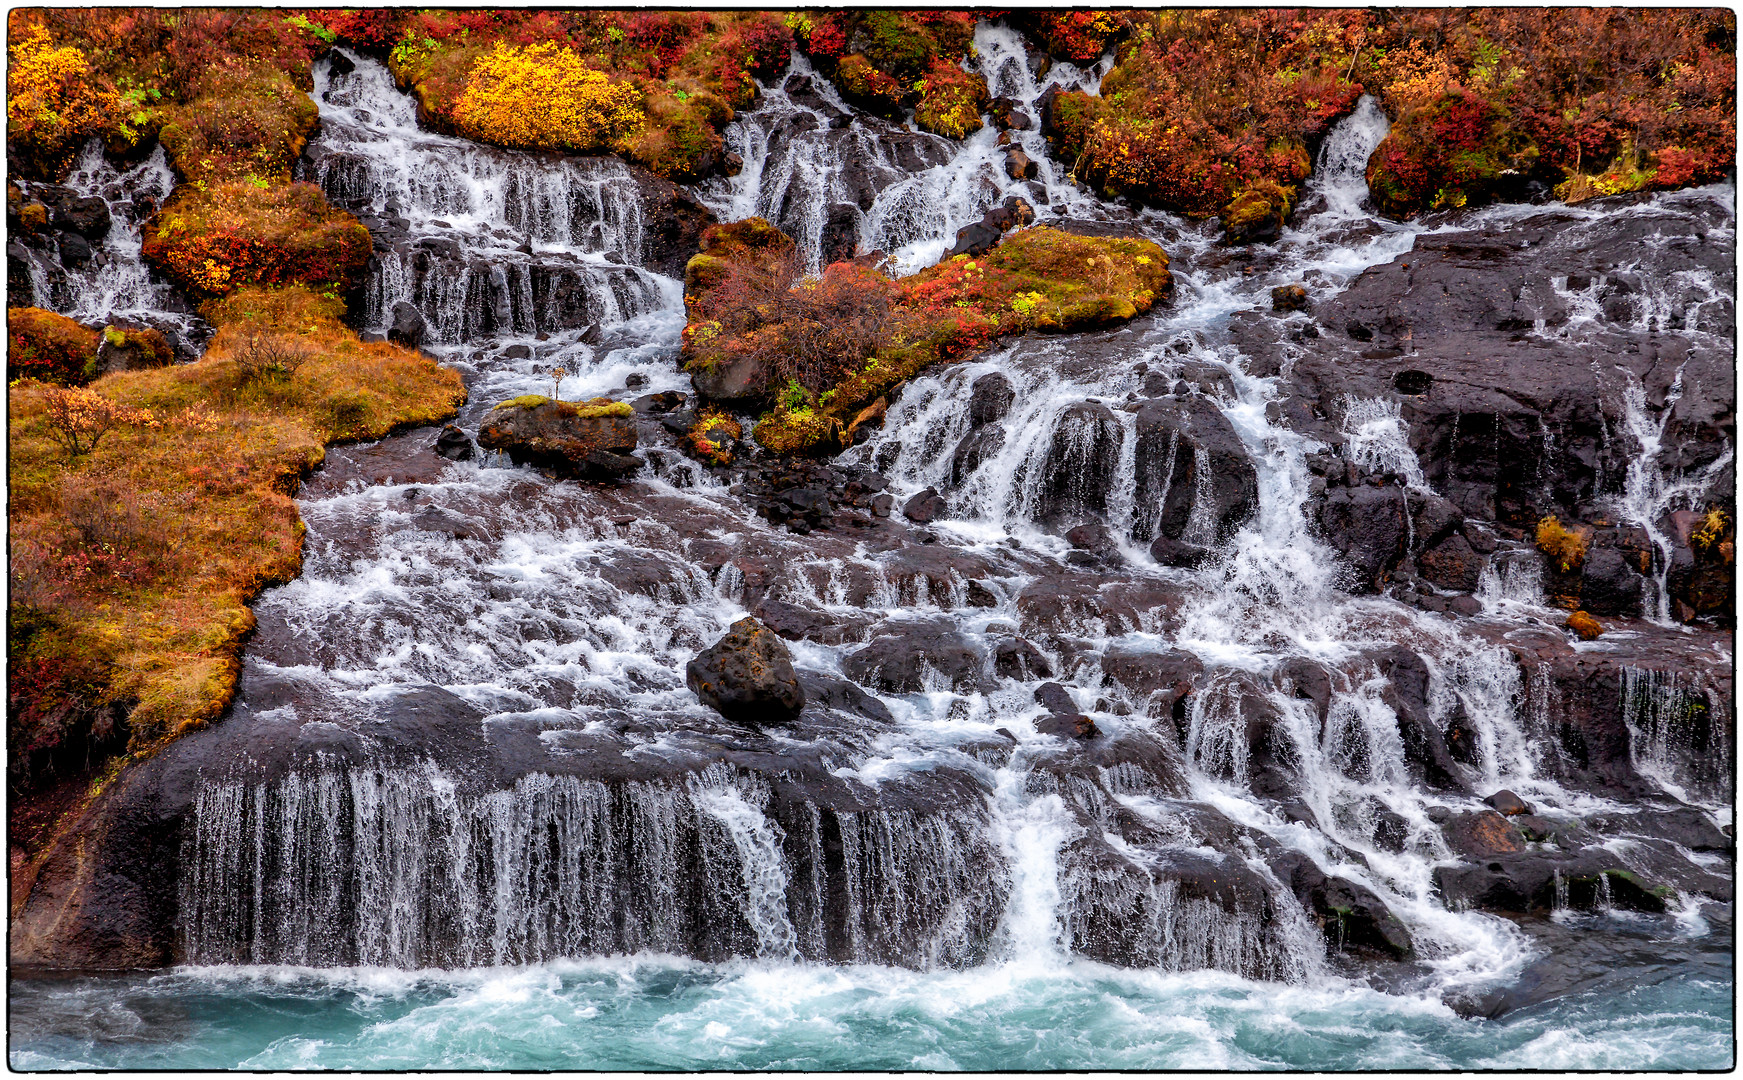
[(466, 814)]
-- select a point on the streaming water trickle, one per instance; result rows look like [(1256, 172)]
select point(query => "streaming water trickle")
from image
[(551, 622)]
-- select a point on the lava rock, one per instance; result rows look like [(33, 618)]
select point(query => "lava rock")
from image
[(1366, 525), (553, 436), (408, 327), (923, 508), (975, 448), (1015, 658), (905, 659), (1289, 298), (1020, 166), (1067, 726), (1055, 698), (1176, 439), (1349, 914), (454, 444), (1482, 835), (747, 676), (1451, 564), (989, 399), (1081, 463), (1508, 803)]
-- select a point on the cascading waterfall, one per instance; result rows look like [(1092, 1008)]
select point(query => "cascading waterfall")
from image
[(480, 241), (115, 284), (555, 621)]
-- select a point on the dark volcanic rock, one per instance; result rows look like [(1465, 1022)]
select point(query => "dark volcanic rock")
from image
[(553, 436), (1178, 439), (408, 327), (454, 444), (990, 399), (1349, 914), (747, 676), (924, 507), (1366, 526), (908, 658), (1081, 463)]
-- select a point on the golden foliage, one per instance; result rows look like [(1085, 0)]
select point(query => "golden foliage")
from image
[(54, 101), (1565, 547), (216, 469), (543, 97), (78, 418), (1582, 623)]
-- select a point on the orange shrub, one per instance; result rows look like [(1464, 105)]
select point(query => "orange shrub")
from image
[(240, 233), (1565, 547), (543, 97), (54, 101), (50, 347)]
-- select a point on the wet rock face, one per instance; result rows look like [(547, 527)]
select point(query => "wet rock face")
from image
[(1195, 483), (1081, 463), (909, 658), (552, 435), (1366, 526), (747, 676)]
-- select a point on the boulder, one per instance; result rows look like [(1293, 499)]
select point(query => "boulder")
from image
[(1349, 914), (1482, 835), (1178, 553), (1016, 658), (1366, 526), (132, 350), (989, 399), (1055, 698), (454, 444), (1187, 449), (1289, 298), (741, 380), (747, 676), (86, 215), (1020, 166), (1608, 585), (1508, 803), (1081, 463), (581, 442), (924, 507), (408, 327), (911, 658), (976, 447), (1451, 564), (1067, 726)]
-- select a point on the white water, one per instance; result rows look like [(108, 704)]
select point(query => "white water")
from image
[(117, 284), (555, 621)]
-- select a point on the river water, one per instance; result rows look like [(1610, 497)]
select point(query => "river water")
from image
[(387, 915)]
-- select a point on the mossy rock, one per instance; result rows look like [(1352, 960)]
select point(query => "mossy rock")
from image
[(801, 431), (596, 407), (1257, 215)]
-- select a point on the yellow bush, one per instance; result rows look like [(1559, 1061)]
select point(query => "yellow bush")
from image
[(54, 101), (1566, 548), (1713, 529), (542, 97), (1582, 623)]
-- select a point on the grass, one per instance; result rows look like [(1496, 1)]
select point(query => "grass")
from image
[(133, 566)]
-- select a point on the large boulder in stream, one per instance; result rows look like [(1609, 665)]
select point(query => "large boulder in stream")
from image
[(592, 441), (1082, 464), (747, 676)]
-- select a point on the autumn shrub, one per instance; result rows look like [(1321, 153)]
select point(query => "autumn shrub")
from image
[(951, 101), (1459, 149), (48, 346), (1566, 548), (712, 436), (78, 418), (1583, 624), (875, 91), (1203, 104), (542, 97), (226, 236), (1595, 101), (243, 121), (271, 356), (54, 101), (882, 60), (1078, 36)]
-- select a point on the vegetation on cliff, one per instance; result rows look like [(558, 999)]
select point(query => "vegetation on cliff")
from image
[(133, 560), (48, 347), (1203, 107), (821, 349), (886, 62)]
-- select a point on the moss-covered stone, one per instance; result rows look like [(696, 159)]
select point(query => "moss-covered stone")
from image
[(799, 431), (1257, 215), (49, 347)]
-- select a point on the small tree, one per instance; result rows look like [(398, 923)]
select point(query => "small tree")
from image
[(557, 376), (275, 356), (78, 418)]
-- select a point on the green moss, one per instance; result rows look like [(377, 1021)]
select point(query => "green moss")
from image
[(800, 431), (597, 407)]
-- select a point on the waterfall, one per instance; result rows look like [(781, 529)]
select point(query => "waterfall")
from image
[(526, 777), (481, 241), (116, 284)]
